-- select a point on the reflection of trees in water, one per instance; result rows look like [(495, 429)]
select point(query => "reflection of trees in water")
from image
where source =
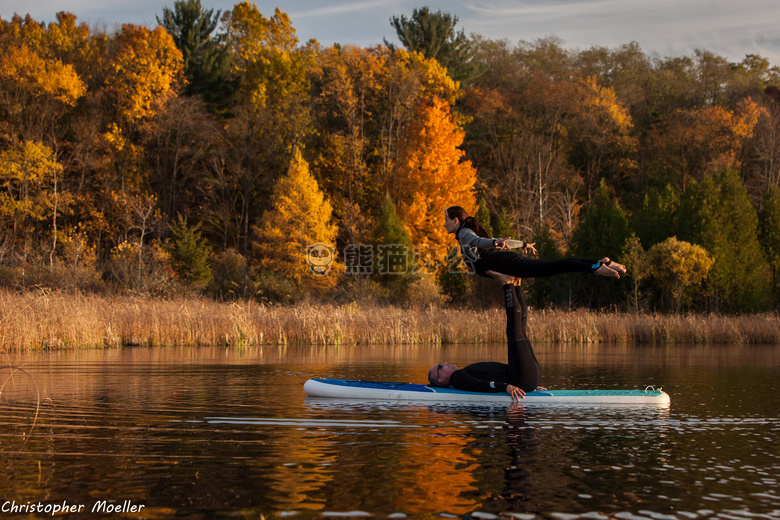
[(504, 448)]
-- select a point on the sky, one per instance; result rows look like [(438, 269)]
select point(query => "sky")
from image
[(667, 28)]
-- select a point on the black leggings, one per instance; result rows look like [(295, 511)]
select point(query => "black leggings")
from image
[(513, 264), (523, 370)]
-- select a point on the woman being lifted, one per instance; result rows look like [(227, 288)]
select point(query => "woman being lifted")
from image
[(483, 253)]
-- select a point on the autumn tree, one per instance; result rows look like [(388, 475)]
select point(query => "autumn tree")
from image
[(143, 66), (626, 70), (431, 175), (516, 140), (347, 85), (763, 168), (37, 88), (180, 140), (705, 140), (29, 196), (298, 218), (271, 114), (365, 101), (599, 136), (408, 80), (679, 268), (231, 277)]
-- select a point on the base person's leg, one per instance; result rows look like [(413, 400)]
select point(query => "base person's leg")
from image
[(523, 371)]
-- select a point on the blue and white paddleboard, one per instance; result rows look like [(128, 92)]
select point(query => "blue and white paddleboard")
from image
[(348, 389)]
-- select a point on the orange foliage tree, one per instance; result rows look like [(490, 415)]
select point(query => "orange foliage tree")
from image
[(431, 175), (707, 139)]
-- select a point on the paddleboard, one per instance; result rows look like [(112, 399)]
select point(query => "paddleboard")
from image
[(353, 389)]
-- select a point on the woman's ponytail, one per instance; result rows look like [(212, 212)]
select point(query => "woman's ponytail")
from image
[(466, 221)]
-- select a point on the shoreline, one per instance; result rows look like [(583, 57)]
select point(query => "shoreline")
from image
[(53, 321)]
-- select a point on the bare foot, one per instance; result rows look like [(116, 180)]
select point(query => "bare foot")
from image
[(620, 268), (502, 278), (603, 270)]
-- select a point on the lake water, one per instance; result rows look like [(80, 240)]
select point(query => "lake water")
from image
[(224, 433)]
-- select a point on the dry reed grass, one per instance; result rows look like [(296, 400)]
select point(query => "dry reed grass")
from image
[(34, 321)]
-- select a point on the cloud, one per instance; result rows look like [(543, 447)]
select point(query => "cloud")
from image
[(732, 29), (666, 27), (340, 9)]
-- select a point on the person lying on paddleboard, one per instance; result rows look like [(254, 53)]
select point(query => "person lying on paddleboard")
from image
[(522, 374), (483, 253)]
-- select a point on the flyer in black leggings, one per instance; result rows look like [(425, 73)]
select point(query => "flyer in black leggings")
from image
[(520, 375), (483, 253)]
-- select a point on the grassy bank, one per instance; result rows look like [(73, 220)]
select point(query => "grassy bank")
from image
[(33, 321)]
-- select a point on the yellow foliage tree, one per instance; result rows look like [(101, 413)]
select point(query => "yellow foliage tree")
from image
[(600, 134), (28, 189), (143, 66), (299, 219), (265, 55), (431, 175), (24, 70), (37, 86), (678, 266), (273, 97), (433, 78)]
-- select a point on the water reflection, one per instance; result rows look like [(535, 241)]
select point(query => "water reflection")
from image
[(205, 432)]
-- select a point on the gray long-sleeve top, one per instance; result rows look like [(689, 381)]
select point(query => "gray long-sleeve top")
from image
[(470, 244)]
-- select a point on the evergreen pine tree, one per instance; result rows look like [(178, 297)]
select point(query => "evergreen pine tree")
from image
[(394, 252), (433, 35), (189, 254), (553, 291), (206, 58), (483, 217), (603, 231), (504, 226), (717, 214), (657, 219), (769, 220)]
